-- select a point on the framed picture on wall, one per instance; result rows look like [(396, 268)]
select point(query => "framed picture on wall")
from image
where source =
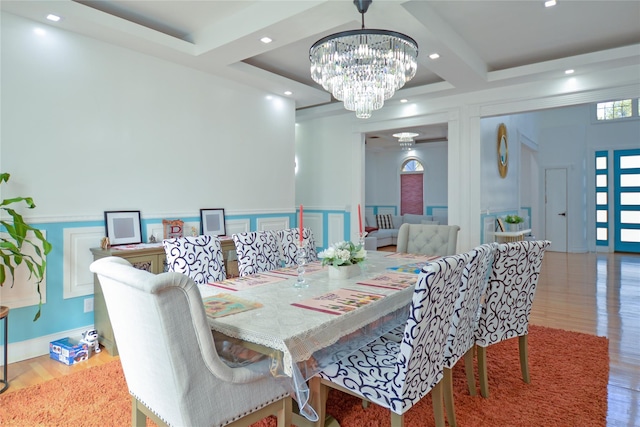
[(123, 227), (212, 222)]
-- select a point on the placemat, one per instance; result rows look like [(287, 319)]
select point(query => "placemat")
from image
[(312, 267), (339, 301), (246, 282), (391, 281), (225, 304)]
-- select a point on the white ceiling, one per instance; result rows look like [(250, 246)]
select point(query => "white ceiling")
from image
[(482, 44)]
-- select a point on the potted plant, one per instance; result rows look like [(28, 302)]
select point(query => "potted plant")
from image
[(514, 221), (21, 244), (343, 259)]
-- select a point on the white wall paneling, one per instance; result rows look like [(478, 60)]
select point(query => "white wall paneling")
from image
[(274, 223), (314, 222), (237, 226), (77, 279), (24, 292), (336, 228)]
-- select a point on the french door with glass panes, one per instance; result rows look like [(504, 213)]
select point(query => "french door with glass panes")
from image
[(626, 195)]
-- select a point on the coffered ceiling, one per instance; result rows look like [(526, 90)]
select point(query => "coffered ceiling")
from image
[(482, 44)]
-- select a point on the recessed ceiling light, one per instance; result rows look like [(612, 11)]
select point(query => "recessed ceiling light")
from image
[(550, 3), (288, 92), (434, 56), (404, 100), (52, 17), (266, 40), (569, 71)]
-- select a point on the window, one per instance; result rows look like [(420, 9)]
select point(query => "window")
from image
[(412, 165), (613, 110), (412, 187)]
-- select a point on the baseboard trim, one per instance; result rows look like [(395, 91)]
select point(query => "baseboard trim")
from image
[(28, 349)]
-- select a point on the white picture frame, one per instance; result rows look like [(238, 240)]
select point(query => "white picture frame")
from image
[(123, 227), (212, 222)]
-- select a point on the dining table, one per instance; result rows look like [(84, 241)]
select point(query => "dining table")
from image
[(305, 328)]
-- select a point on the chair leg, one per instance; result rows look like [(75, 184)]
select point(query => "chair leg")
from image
[(438, 412), (397, 420), (138, 418), (319, 394), (449, 405), (482, 371), (284, 415), (524, 358), (468, 369)]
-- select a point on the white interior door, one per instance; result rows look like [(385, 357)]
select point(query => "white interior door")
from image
[(556, 216)]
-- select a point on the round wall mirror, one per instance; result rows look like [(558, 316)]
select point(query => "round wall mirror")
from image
[(503, 150)]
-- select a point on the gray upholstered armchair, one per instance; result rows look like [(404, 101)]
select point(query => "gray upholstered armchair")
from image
[(428, 239), (169, 358)]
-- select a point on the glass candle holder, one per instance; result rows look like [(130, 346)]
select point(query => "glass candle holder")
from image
[(301, 261)]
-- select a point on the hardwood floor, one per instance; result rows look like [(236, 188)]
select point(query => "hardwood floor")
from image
[(598, 294)]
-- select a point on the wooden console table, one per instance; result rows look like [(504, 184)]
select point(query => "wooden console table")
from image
[(152, 259), (510, 236)]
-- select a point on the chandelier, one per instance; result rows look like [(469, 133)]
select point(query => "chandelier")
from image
[(406, 140), (363, 68)]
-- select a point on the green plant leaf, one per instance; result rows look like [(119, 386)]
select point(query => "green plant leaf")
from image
[(20, 233)]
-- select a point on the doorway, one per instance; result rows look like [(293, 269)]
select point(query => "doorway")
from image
[(555, 207)]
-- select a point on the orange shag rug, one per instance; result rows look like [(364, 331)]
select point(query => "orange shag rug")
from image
[(569, 376)]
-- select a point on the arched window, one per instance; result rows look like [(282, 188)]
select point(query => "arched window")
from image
[(411, 187), (412, 165)]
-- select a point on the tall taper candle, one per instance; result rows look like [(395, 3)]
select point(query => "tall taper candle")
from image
[(360, 220), (301, 224)]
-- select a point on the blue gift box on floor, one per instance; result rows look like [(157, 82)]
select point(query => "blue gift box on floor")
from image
[(68, 351)]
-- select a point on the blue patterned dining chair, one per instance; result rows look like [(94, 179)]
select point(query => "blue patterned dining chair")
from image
[(289, 239), (173, 372), (198, 257), (507, 302), (257, 251), (396, 375), (461, 338)]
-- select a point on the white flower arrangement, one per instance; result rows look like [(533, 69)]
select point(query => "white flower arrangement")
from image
[(343, 253)]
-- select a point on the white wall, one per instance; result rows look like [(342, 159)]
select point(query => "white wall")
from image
[(498, 193), (88, 127)]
